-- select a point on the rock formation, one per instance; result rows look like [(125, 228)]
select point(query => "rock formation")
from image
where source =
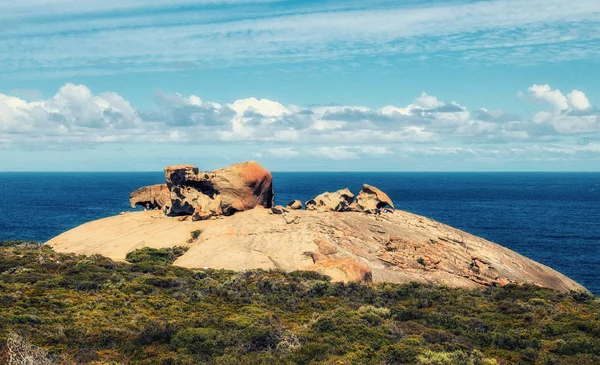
[(225, 191), (294, 205), (394, 246), (371, 200), (155, 196), (338, 201), (202, 195)]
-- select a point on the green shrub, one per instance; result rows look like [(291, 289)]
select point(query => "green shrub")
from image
[(194, 235), (17, 243), (153, 256), (197, 341)]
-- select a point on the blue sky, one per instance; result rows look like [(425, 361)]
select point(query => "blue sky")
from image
[(420, 85)]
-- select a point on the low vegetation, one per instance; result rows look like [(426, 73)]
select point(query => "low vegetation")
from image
[(67, 309), (194, 235), (153, 256)]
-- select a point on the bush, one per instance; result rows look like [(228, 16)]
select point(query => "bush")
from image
[(17, 243), (197, 341), (194, 235), (153, 256)]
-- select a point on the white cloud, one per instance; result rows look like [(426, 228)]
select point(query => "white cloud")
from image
[(554, 97), (374, 150), (284, 152), (334, 153), (76, 117), (349, 152), (570, 114), (73, 111), (262, 107), (428, 102), (578, 100)]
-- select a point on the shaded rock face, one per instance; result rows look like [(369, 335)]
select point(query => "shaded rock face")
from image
[(155, 196), (225, 191), (370, 199), (338, 201)]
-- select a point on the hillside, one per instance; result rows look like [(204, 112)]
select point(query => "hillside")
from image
[(67, 308)]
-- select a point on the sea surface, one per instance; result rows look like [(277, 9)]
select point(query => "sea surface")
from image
[(553, 218)]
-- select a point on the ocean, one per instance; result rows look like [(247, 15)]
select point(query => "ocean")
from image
[(552, 218)]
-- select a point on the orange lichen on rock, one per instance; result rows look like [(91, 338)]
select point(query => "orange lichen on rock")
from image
[(325, 248), (343, 270)]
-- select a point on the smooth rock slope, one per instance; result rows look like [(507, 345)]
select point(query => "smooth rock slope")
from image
[(349, 246)]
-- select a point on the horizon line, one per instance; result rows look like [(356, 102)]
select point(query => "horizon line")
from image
[(322, 171)]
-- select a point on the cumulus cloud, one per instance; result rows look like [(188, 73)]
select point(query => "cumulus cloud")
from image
[(74, 112), (569, 114), (554, 97), (75, 116)]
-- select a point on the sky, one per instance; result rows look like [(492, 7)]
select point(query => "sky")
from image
[(379, 85)]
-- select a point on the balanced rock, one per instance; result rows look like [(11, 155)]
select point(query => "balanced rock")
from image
[(338, 201), (154, 196), (370, 199), (295, 205), (225, 191)]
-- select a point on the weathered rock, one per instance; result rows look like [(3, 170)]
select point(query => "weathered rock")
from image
[(201, 215), (343, 270), (225, 191), (325, 248), (155, 196), (295, 205), (278, 210), (398, 247), (371, 200), (353, 246), (338, 201)]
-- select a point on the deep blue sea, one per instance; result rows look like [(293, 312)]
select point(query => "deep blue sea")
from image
[(553, 218)]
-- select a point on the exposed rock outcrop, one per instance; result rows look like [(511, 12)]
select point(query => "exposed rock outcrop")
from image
[(155, 196), (350, 246), (225, 191), (338, 201), (397, 247), (370, 199), (343, 270), (294, 205)]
